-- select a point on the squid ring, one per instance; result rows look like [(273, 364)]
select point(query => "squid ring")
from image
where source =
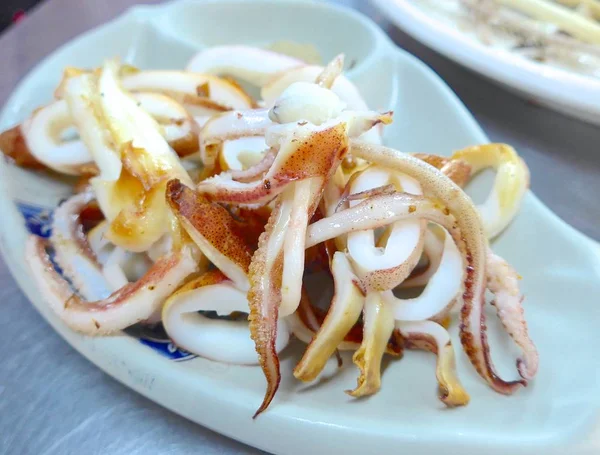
[(441, 290), (44, 133), (433, 248), (131, 304), (384, 268), (72, 250), (216, 339), (243, 153), (510, 185)]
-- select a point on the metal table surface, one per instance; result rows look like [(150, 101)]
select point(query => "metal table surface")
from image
[(53, 401)]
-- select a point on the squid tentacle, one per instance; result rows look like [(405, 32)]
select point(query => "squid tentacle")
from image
[(503, 282), (433, 337), (473, 243), (378, 328), (343, 314)]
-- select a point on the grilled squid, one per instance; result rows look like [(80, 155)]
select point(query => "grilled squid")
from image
[(216, 246), (473, 244), (229, 127), (45, 135), (380, 211), (503, 282), (135, 161), (213, 230), (441, 291), (385, 265), (94, 266), (278, 264), (250, 64), (221, 340), (73, 253), (510, 185), (377, 329), (134, 302), (201, 94), (345, 309), (431, 336), (296, 158), (346, 91), (220, 239)]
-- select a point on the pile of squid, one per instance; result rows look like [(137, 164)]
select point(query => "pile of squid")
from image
[(203, 209)]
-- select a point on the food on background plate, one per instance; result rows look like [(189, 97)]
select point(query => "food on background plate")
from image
[(560, 33), (202, 208)]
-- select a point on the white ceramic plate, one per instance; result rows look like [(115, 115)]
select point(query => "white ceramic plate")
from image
[(561, 268), (562, 90)]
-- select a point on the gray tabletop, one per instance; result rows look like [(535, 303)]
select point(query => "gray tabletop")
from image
[(53, 401)]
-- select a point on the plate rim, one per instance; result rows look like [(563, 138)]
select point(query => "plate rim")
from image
[(272, 420)]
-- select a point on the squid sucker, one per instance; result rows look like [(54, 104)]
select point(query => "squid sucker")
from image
[(204, 209)]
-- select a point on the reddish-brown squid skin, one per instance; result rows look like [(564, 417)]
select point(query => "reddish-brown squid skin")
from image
[(470, 343), (132, 303), (503, 282), (318, 156), (263, 318), (211, 220)]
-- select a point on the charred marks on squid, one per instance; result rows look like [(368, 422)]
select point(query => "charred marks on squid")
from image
[(395, 345), (188, 144), (457, 170)]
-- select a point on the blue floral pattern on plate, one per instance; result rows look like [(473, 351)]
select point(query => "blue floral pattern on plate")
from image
[(38, 221), (168, 349)]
